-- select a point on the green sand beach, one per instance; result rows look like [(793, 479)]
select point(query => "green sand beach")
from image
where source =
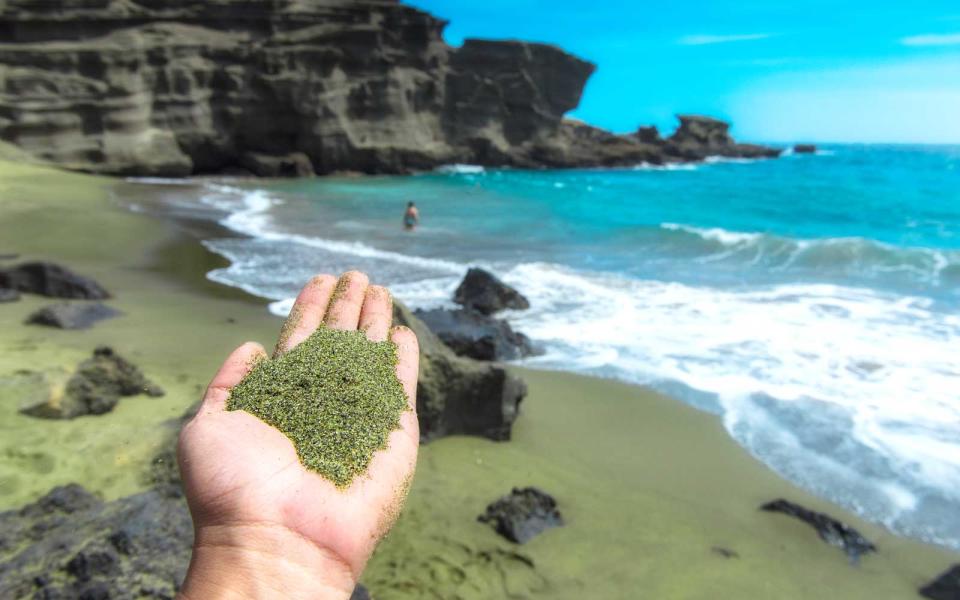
[(651, 490)]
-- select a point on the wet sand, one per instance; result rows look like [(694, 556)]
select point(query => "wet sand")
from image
[(650, 488)]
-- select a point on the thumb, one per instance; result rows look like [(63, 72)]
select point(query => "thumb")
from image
[(234, 369)]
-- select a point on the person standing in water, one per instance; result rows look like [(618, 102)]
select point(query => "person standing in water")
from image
[(411, 218)]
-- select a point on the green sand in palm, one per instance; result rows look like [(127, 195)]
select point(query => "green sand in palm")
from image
[(336, 396)]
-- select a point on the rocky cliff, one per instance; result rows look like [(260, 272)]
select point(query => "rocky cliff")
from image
[(291, 87)]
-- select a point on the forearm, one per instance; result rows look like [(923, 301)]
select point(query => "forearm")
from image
[(251, 561)]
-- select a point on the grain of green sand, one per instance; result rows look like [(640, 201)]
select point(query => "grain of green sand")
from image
[(336, 396)]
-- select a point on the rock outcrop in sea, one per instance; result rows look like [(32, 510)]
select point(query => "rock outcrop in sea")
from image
[(288, 87)]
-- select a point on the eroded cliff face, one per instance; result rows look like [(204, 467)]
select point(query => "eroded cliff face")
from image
[(150, 87)]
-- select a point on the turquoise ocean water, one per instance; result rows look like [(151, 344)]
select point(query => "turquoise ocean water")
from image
[(810, 301)]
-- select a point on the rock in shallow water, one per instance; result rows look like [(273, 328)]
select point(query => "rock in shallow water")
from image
[(804, 149), (829, 529), (49, 279), (475, 335), (522, 514), (72, 315), (484, 292)]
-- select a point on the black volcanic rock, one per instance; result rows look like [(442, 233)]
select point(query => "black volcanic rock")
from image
[(522, 514), (475, 335), (484, 292), (829, 529), (804, 149), (49, 279), (71, 544), (284, 87), (76, 315), (457, 395), (95, 388), (699, 137), (8, 295), (945, 587), (648, 135)]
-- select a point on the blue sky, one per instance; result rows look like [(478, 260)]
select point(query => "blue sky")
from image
[(818, 70)]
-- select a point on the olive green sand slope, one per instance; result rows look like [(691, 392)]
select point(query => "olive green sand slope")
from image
[(73, 219), (647, 485), (648, 488)]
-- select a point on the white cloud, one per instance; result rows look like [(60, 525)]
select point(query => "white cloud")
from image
[(932, 39), (701, 40)]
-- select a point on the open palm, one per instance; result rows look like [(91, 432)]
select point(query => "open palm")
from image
[(248, 493)]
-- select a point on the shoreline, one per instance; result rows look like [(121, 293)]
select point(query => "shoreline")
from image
[(648, 485)]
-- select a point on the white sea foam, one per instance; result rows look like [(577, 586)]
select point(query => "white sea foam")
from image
[(462, 169), (250, 215), (770, 360), (645, 166), (733, 160), (729, 238), (161, 180)]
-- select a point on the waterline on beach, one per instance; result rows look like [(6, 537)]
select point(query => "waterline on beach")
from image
[(827, 356)]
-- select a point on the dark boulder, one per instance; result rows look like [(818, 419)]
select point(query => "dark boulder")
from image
[(9, 295), (648, 135), (945, 587), (70, 544), (48, 279), (484, 292), (95, 388), (698, 137), (829, 529), (65, 545), (522, 514), (702, 131), (72, 315), (457, 395), (475, 335), (804, 149)]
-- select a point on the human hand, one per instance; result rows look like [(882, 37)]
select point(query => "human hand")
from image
[(264, 525)]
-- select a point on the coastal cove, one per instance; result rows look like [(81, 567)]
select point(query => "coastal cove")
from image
[(779, 295), (648, 486), (409, 299)]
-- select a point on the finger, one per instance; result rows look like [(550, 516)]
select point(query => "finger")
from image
[(307, 312), (376, 315), (408, 362), (344, 310), (234, 369)]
